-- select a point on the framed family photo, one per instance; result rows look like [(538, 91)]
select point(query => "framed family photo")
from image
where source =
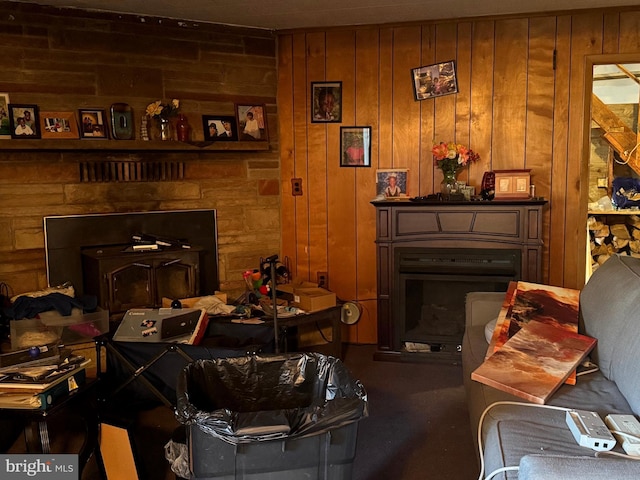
[(24, 121), (355, 146), (252, 123), (434, 80), (5, 130), (93, 123), (219, 128), (326, 101), (58, 125), (392, 183)]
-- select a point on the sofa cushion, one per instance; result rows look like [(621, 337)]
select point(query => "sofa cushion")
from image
[(544, 467), (610, 312), (515, 430)]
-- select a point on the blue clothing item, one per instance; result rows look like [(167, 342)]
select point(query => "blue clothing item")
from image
[(29, 307)]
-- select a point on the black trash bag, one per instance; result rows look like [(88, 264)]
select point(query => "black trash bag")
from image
[(626, 192), (266, 397)]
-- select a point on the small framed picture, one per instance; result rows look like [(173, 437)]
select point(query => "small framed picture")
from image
[(512, 183), (355, 146), (326, 101), (58, 125), (392, 183), (252, 123), (218, 128), (24, 121), (93, 123), (434, 80), (5, 130)]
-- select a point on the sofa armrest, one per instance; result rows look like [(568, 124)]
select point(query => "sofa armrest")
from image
[(544, 467), (482, 307)]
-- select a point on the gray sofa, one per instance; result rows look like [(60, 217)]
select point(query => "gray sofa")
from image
[(537, 440)]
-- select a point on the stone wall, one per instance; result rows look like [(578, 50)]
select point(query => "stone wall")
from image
[(63, 60)]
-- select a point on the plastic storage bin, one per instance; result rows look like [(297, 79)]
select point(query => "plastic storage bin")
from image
[(326, 455), (287, 416), (52, 327)]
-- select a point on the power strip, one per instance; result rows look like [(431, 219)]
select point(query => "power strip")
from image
[(589, 430), (625, 424)]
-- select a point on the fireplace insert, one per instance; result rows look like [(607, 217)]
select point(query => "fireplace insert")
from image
[(431, 287)]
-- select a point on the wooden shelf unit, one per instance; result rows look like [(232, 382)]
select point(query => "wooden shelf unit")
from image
[(129, 145)]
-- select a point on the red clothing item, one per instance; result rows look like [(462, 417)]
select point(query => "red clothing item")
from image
[(356, 155)]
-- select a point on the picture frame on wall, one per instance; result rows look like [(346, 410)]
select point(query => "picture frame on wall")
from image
[(355, 146), (24, 121), (219, 128), (326, 101), (434, 80), (252, 123), (5, 128), (93, 123), (392, 183), (58, 125)]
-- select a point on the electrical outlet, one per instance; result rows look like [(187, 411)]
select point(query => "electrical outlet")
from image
[(296, 187), (323, 279), (602, 182)]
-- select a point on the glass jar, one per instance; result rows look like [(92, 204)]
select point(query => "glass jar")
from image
[(449, 184), (163, 129)]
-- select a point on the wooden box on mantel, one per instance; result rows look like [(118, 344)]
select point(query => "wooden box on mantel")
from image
[(512, 183)]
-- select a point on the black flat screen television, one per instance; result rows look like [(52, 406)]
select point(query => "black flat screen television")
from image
[(67, 236)]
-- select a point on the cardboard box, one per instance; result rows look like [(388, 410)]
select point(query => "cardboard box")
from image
[(308, 296), (313, 299)]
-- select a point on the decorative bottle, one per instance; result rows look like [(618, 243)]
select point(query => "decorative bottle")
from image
[(183, 128)]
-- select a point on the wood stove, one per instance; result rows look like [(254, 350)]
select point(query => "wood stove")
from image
[(90, 252), (124, 279), (430, 255)]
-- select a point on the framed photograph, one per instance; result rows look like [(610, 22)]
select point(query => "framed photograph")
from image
[(393, 183), (512, 183), (252, 122), (93, 123), (434, 80), (58, 125), (24, 121), (355, 146), (326, 101), (5, 130), (219, 128)]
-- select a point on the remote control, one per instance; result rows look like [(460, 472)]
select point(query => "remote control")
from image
[(626, 424)]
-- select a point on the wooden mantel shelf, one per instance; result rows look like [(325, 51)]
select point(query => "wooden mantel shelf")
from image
[(130, 145)]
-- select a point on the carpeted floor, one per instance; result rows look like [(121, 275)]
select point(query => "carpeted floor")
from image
[(418, 426), (417, 429)]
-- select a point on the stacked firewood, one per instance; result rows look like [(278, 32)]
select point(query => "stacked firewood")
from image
[(621, 237)]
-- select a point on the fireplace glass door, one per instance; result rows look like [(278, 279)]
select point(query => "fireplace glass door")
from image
[(432, 286), (123, 280)]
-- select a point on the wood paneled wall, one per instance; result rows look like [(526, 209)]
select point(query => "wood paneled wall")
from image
[(520, 105)]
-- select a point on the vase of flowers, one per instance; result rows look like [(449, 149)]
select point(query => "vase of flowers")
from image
[(451, 158), (160, 114)]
